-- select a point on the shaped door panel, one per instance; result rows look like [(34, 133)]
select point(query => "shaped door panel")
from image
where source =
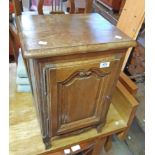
[(77, 94)]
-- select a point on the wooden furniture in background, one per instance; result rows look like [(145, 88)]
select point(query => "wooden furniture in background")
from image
[(73, 62), (25, 131), (13, 33), (122, 6), (14, 41), (129, 84), (80, 6), (105, 12), (18, 7), (131, 20), (137, 63), (57, 7), (111, 4)]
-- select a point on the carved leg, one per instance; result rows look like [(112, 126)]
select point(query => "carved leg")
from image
[(47, 142)]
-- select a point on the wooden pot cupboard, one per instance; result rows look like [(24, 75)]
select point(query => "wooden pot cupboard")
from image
[(73, 62)]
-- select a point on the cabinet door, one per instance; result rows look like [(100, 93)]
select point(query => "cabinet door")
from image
[(77, 93)]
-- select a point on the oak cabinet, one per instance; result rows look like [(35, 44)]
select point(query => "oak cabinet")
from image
[(73, 72), (79, 91)]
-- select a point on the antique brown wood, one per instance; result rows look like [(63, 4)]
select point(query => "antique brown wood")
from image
[(128, 83), (111, 4), (57, 7), (14, 41), (135, 18), (18, 7), (108, 143), (86, 6), (65, 57), (127, 110)]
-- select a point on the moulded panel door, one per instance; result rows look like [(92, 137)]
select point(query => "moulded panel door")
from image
[(77, 93)]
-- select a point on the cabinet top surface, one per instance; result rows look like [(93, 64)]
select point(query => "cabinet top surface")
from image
[(52, 35)]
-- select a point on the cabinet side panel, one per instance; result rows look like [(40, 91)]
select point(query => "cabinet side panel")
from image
[(35, 85)]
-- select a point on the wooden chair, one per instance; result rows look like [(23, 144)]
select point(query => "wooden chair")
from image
[(57, 7), (13, 34), (14, 41), (18, 7), (75, 6)]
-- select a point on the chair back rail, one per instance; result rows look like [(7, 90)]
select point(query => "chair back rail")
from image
[(57, 6), (18, 7), (87, 7)]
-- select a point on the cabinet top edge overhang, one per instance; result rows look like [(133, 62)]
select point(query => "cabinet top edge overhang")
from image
[(56, 35)]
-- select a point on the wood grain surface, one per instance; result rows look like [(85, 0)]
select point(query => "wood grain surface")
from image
[(69, 34), (130, 21), (63, 56)]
